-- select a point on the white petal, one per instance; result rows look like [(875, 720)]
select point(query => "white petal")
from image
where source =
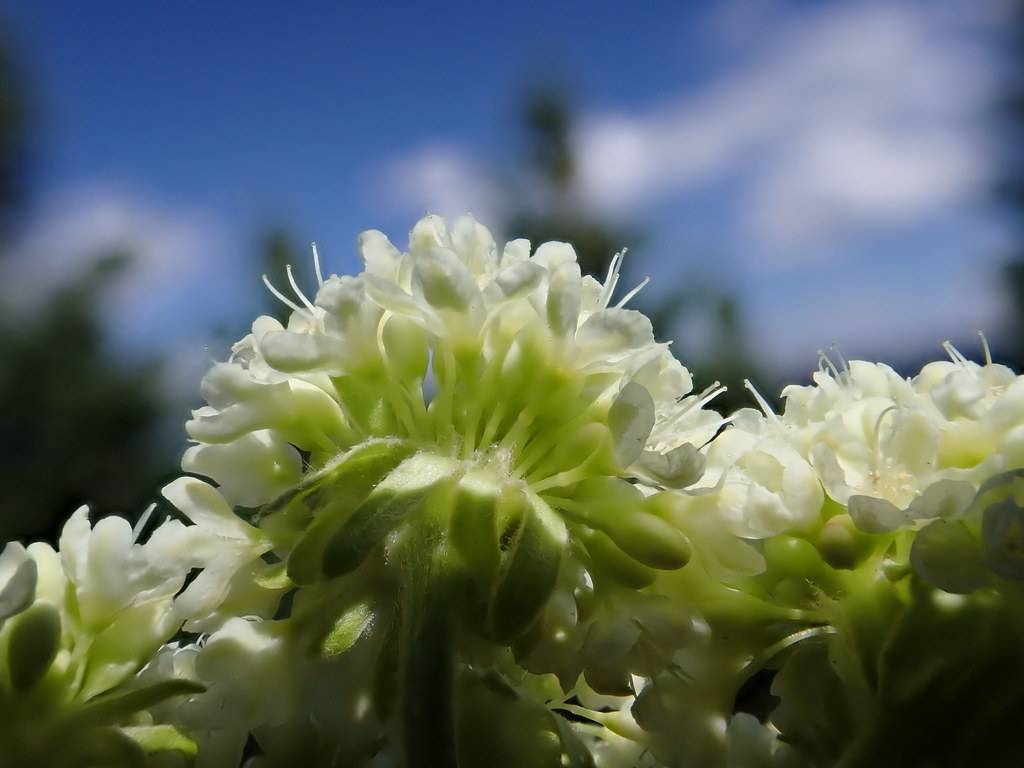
[(630, 420), (18, 575), (515, 250), (251, 470), (472, 241), (204, 506), (552, 254), (379, 256), (614, 329), (298, 352), (876, 515), (563, 306), (516, 280), (428, 233), (444, 282)]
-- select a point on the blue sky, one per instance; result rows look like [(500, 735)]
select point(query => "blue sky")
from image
[(830, 161)]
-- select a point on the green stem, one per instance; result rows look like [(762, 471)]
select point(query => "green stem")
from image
[(426, 662)]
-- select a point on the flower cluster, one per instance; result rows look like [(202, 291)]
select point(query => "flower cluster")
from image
[(464, 510)]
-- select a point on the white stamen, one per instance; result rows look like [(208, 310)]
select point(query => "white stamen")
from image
[(762, 403), (878, 426), (954, 353), (316, 265), (985, 348), (280, 296), (632, 293), (842, 360), (702, 399), (298, 291), (826, 361), (140, 526), (612, 279), (708, 395)]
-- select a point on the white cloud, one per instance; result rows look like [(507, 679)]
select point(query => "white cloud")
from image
[(852, 117), (828, 123), (442, 179), (175, 255)]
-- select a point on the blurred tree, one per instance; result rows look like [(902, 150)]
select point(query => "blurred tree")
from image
[(545, 203), (15, 114), (557, 212), (78, 425), (278, 250), (1010, 188)]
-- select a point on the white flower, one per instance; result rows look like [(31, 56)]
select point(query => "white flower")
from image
[(757, 481), (118, 607), (81, 623), (226, 548), (507, 372), (982, 413), (248, 674)]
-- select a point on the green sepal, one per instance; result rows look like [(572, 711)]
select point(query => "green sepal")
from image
[(473, 529), (397, 496), (103, 748), (842, 544), (620, 510), (945, 554), (33, 644), (351, 625), (363, 395), (161, 738), (333, 493), (611, 561), (275, 577), (1002, 533), (115, 706), (529, 567)]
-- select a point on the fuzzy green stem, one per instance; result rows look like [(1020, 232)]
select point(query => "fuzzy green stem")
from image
[(426, 661)]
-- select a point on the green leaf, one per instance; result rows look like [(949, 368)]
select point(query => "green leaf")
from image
[(397, 496), (333, 494)]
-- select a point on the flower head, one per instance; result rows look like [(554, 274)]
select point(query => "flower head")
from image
[(76, 626), (505, 381)]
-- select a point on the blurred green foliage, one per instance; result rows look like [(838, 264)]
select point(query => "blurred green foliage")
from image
[(1010, 187), (77, 423), (15, 124)]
